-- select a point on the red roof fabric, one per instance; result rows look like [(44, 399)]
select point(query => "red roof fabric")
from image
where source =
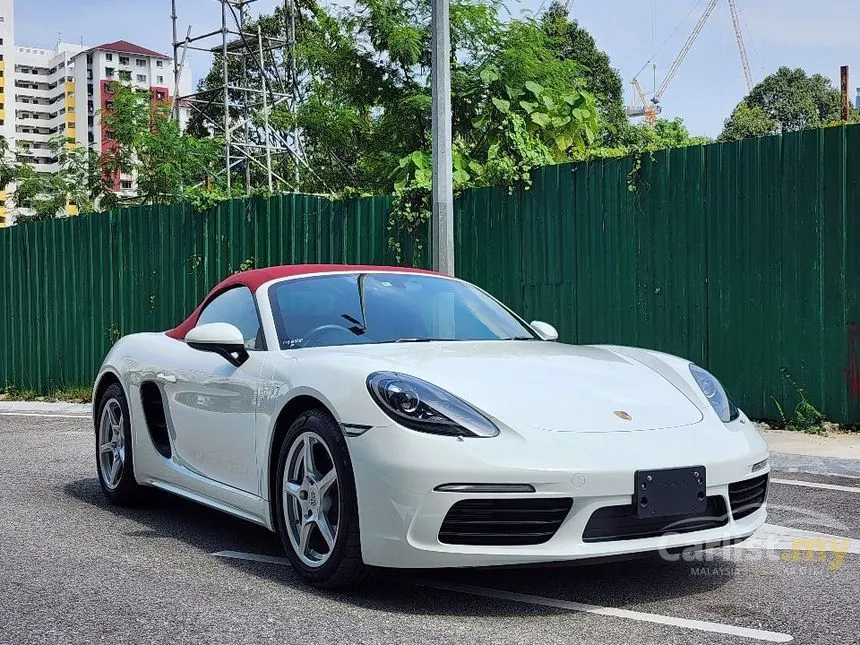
[(256, 278), (125, 47)]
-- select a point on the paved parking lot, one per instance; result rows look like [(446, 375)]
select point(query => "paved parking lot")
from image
[(75, 570)]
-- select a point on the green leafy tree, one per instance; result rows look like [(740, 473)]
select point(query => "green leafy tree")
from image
[(571, 41), (748, 121), (170, 165), (38, 195), (786, 101)]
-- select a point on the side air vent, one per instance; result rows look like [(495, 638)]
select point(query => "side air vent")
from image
[(623, 523), (747, 496), (156, 421), (504, 522)]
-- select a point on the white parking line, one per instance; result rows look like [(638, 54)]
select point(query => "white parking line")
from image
[(44, 416), (783, 538), (699, 625), (797, 482)]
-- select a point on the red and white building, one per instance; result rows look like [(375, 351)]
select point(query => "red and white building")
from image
[(97, 69)]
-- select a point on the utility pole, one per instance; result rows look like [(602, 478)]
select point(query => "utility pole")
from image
[(443, 181), (845, 112)]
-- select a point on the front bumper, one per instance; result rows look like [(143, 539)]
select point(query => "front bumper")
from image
[(400, 513)]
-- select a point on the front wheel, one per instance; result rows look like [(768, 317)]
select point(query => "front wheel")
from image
[(113, 448), (316, 506)]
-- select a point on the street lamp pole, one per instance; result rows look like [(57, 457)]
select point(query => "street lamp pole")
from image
[(443, 182)]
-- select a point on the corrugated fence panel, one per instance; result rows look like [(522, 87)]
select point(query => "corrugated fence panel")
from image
[(743, 257)]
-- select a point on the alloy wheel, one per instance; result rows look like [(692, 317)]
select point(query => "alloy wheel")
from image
[(311, 498), (112, 444)]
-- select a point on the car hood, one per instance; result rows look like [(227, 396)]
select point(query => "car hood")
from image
[(540, 385)]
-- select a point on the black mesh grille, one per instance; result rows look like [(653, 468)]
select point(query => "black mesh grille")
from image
[(623, 523), (496, 522), (747, 497)]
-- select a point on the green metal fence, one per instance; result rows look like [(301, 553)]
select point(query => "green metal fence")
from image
[(743, 257)]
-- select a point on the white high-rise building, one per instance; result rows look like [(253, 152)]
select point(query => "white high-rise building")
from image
[(45, 94)]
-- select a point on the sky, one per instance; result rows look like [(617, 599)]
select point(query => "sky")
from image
[(817, 36)]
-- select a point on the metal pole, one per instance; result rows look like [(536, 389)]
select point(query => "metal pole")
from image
[(226, 72), (174, 17), (845, 112), (291, 40), (246, 99), (265, 110), (443, 182)]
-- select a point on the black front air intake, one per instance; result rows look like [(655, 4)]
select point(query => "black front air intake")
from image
[(504, 522), (747, 496), (623, 522)]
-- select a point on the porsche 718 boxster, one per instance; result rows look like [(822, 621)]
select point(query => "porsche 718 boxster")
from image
[(390, 417)]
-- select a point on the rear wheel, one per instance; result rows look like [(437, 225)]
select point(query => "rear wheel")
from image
[(113, 448), (316, 507)]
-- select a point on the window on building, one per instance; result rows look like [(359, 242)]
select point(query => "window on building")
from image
[(124, 75), (159, 63), (108, 56), (160, 96), (126, 185), (123, 60), (141, 62), (109, 72), (160, 79), (141, 78)]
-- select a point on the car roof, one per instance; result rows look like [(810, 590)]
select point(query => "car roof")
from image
[(256, 278)]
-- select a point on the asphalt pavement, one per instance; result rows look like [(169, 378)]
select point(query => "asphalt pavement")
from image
[(75, 570)]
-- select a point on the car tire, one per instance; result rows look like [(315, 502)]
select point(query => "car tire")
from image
[(114, 448), (318, 521)]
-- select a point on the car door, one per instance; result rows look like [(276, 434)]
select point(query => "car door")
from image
[(212, 403)]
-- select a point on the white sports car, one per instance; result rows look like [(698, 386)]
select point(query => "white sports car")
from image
[(378, 416)]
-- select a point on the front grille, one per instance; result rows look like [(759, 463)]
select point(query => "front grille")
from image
[(747, 496), (504, 522), (623, 523)]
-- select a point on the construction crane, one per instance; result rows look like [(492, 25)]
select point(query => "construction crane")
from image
[(745, 63), (644, 108), (650, 112)]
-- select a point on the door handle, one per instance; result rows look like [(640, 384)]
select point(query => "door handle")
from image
[(165, 378)]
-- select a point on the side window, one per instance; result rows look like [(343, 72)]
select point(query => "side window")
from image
[(237, 308)]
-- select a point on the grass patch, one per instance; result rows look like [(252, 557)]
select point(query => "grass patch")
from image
[(65, 394), (71, 394), (14, 393), (805, 417)]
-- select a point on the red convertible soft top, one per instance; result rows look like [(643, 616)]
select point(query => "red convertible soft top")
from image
[(256, 278)]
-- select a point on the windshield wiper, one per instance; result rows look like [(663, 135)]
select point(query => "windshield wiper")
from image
[(520, 338), (419, 339), (359, 327)]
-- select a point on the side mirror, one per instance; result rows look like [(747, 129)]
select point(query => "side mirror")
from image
[(222, 339), (545, 330)]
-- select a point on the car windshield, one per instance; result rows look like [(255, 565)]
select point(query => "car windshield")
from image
[(366, 308)]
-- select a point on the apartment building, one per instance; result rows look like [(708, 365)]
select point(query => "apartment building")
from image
[(98, 69), (7, 58), (62, 92)]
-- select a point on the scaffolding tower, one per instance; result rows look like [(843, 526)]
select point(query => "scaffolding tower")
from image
[(257, 75)]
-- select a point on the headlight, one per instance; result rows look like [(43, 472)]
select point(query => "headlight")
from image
[(420, 406), (716, 395)]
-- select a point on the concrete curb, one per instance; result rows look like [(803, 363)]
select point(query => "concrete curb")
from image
[(37, 408)]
